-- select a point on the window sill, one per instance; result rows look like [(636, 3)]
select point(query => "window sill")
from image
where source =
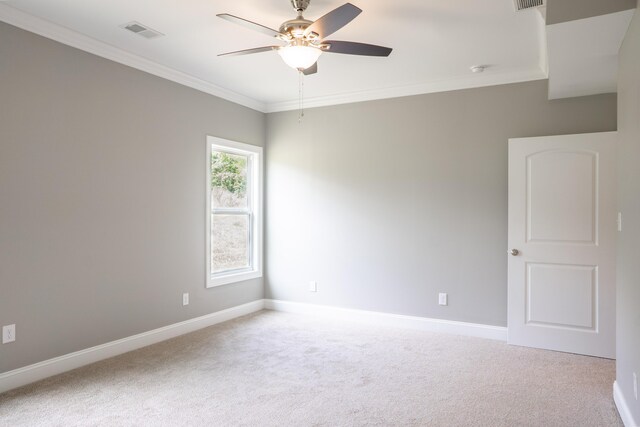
[(233, 278)]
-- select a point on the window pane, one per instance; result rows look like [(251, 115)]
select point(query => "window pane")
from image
[(228, 180), (230, 238)]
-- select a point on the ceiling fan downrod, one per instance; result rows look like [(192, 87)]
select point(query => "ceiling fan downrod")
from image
[(300, 5)]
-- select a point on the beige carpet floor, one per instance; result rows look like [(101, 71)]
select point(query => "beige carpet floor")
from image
[(277, 369)]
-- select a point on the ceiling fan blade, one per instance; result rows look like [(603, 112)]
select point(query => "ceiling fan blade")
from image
[(353, 48), (333, 21), (311, 70), (250, 51), (251, 25)]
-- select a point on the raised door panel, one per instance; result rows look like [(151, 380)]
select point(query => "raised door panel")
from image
[(562, 197)]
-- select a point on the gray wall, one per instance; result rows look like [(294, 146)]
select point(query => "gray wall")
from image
[(383, 203), (102, 180), (570, 10), (628, 284), (387, 203)]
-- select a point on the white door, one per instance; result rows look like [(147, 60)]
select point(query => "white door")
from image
[(562, 230)]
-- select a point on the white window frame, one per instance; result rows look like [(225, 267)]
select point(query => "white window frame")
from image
[(254, 192)]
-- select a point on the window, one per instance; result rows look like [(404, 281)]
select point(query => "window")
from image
[(234, 212)]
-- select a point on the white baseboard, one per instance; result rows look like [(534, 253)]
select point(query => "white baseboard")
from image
[(38, 371), (41, 370), (395, 320), (623, 408)]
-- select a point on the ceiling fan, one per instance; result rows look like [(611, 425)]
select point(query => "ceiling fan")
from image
[(306, 40)]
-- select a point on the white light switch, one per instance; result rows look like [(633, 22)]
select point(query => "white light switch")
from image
[(8, 334), (442, 299), (185, 299), (313, 287)]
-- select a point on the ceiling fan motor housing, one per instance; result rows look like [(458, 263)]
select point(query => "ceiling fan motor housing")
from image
[(295, 27)]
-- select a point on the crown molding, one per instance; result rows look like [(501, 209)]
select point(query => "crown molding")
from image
[(488, 78), (80, 41), (543, 50)]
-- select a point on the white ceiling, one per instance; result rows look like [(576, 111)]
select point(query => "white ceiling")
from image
[(583, 54), (435, 42)]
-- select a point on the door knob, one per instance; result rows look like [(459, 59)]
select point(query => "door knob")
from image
[(514, 252)]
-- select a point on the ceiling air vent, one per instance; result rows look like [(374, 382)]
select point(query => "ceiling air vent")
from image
[(528, 4), (141, 30)]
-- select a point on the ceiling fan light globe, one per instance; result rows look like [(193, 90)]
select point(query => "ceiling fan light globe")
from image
[(299, 57)]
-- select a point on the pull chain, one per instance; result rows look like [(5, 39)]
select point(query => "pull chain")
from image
[(300, 96)]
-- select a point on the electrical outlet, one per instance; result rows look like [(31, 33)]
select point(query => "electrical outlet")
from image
[(185, 299), (635, 386), (442, 299), (8, 334), (313, 286)]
